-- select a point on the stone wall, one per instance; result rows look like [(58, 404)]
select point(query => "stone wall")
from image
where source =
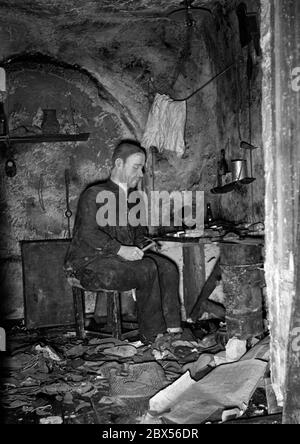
[(101, 72)]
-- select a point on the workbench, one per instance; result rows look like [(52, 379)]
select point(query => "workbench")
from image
[(196, 258)]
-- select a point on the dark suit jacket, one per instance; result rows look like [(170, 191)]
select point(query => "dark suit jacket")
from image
[(90, 240)]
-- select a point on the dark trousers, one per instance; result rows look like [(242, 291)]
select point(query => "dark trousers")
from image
[(156, 280)]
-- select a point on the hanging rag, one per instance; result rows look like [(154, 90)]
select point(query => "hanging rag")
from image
[(165, 125)]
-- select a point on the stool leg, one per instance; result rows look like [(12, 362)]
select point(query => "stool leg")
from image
[(110, 309), (78, 300), (116, 316)]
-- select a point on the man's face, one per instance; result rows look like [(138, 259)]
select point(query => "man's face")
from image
[(131, 171)]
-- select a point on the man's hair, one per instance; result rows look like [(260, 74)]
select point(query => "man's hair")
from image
[(125, 149)]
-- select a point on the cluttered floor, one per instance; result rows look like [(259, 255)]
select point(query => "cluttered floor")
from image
[(51, 376)]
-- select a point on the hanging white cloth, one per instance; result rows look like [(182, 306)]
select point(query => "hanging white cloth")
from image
[(165, 125)]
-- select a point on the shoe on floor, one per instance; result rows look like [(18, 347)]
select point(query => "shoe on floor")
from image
[(92, 325), (147, 340), (165, 341)]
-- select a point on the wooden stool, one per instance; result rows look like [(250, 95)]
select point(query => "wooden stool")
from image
[(114, 320)]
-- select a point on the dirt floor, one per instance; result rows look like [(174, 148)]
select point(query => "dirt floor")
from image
[(51, 376)]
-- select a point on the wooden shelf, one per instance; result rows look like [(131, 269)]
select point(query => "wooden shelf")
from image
[(247, 146), (232, 185), (39, 138)]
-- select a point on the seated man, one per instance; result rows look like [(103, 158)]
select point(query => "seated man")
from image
[(110, 256)]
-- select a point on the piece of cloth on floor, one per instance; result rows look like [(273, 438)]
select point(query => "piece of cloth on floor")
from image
[(165, 125)]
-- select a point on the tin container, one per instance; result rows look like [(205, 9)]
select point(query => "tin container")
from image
[(238, 169)]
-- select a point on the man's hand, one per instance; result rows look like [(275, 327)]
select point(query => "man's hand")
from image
[(130, 253)]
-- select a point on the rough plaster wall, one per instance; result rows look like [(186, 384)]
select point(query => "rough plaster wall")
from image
[(131, 60), (110, 49), (212, 119), (279, 43), (33, 202), (115, 60), (246, 203)]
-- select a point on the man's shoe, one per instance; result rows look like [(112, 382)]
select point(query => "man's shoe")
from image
[(147, 340), (92, 325)]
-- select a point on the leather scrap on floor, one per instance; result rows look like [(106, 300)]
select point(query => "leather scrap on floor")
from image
[(58, 378)]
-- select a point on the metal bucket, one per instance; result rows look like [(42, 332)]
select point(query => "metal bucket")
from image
[(238, 169)]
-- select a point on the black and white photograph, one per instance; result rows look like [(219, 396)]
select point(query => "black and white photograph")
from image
[(149, 215)]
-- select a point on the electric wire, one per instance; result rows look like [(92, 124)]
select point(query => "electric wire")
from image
[(205, 84)]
